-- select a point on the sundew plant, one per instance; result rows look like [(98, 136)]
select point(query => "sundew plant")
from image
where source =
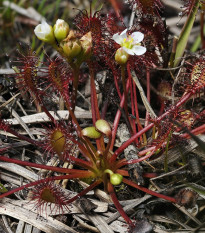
[(136, 58)]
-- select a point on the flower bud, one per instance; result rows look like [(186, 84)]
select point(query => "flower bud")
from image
[(45, 33), (121, 56), (71, 46), (103, 126), (91, 132), (86, 43), (61, 29), (116, 179)]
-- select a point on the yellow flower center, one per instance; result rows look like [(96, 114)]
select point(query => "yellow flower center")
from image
[(128, 43)]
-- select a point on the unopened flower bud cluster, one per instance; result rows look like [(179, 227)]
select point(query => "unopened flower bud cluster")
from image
[(61, 35)]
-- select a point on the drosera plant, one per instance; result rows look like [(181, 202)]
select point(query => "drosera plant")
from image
[(98, 160)]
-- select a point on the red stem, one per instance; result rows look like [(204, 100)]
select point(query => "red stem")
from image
[(86, 190), (133, 138), (117, 87), (159, 195), (22, 137), (148, 95), (116, 8), (197, 131), (132, 121), (117, 119), (94, 106), (41, 166), (146, 174), (117, 204), (124, 162)]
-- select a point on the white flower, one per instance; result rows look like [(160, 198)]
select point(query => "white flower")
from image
[(44, 32), (131, 44)]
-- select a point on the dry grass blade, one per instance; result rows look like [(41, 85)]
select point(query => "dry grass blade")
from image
[(48, 225)]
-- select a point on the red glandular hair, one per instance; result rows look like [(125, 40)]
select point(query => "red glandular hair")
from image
[(27, 78), (193, 76), (60, 140), (187, 8), (147, 6), (155, 41), (48, 196), (101, 28), (164, 130), (58, 77)]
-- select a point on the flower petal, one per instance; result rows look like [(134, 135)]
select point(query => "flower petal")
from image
[(129, 51), (137, 36), (138, 50), (123, 34), (39, 32), (117, 38)]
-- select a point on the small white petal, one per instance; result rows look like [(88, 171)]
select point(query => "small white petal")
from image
[(45, 27), (139, 50), (59, 22), (123, 34), (137, 36), (117, 38), (42, 30), (39, 32), (129, 51)]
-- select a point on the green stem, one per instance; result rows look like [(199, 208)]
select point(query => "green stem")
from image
[(184, 36)]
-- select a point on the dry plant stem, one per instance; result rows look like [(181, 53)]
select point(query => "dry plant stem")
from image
[(134, 137), (148, 191), (73, 176), (117, 204)]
